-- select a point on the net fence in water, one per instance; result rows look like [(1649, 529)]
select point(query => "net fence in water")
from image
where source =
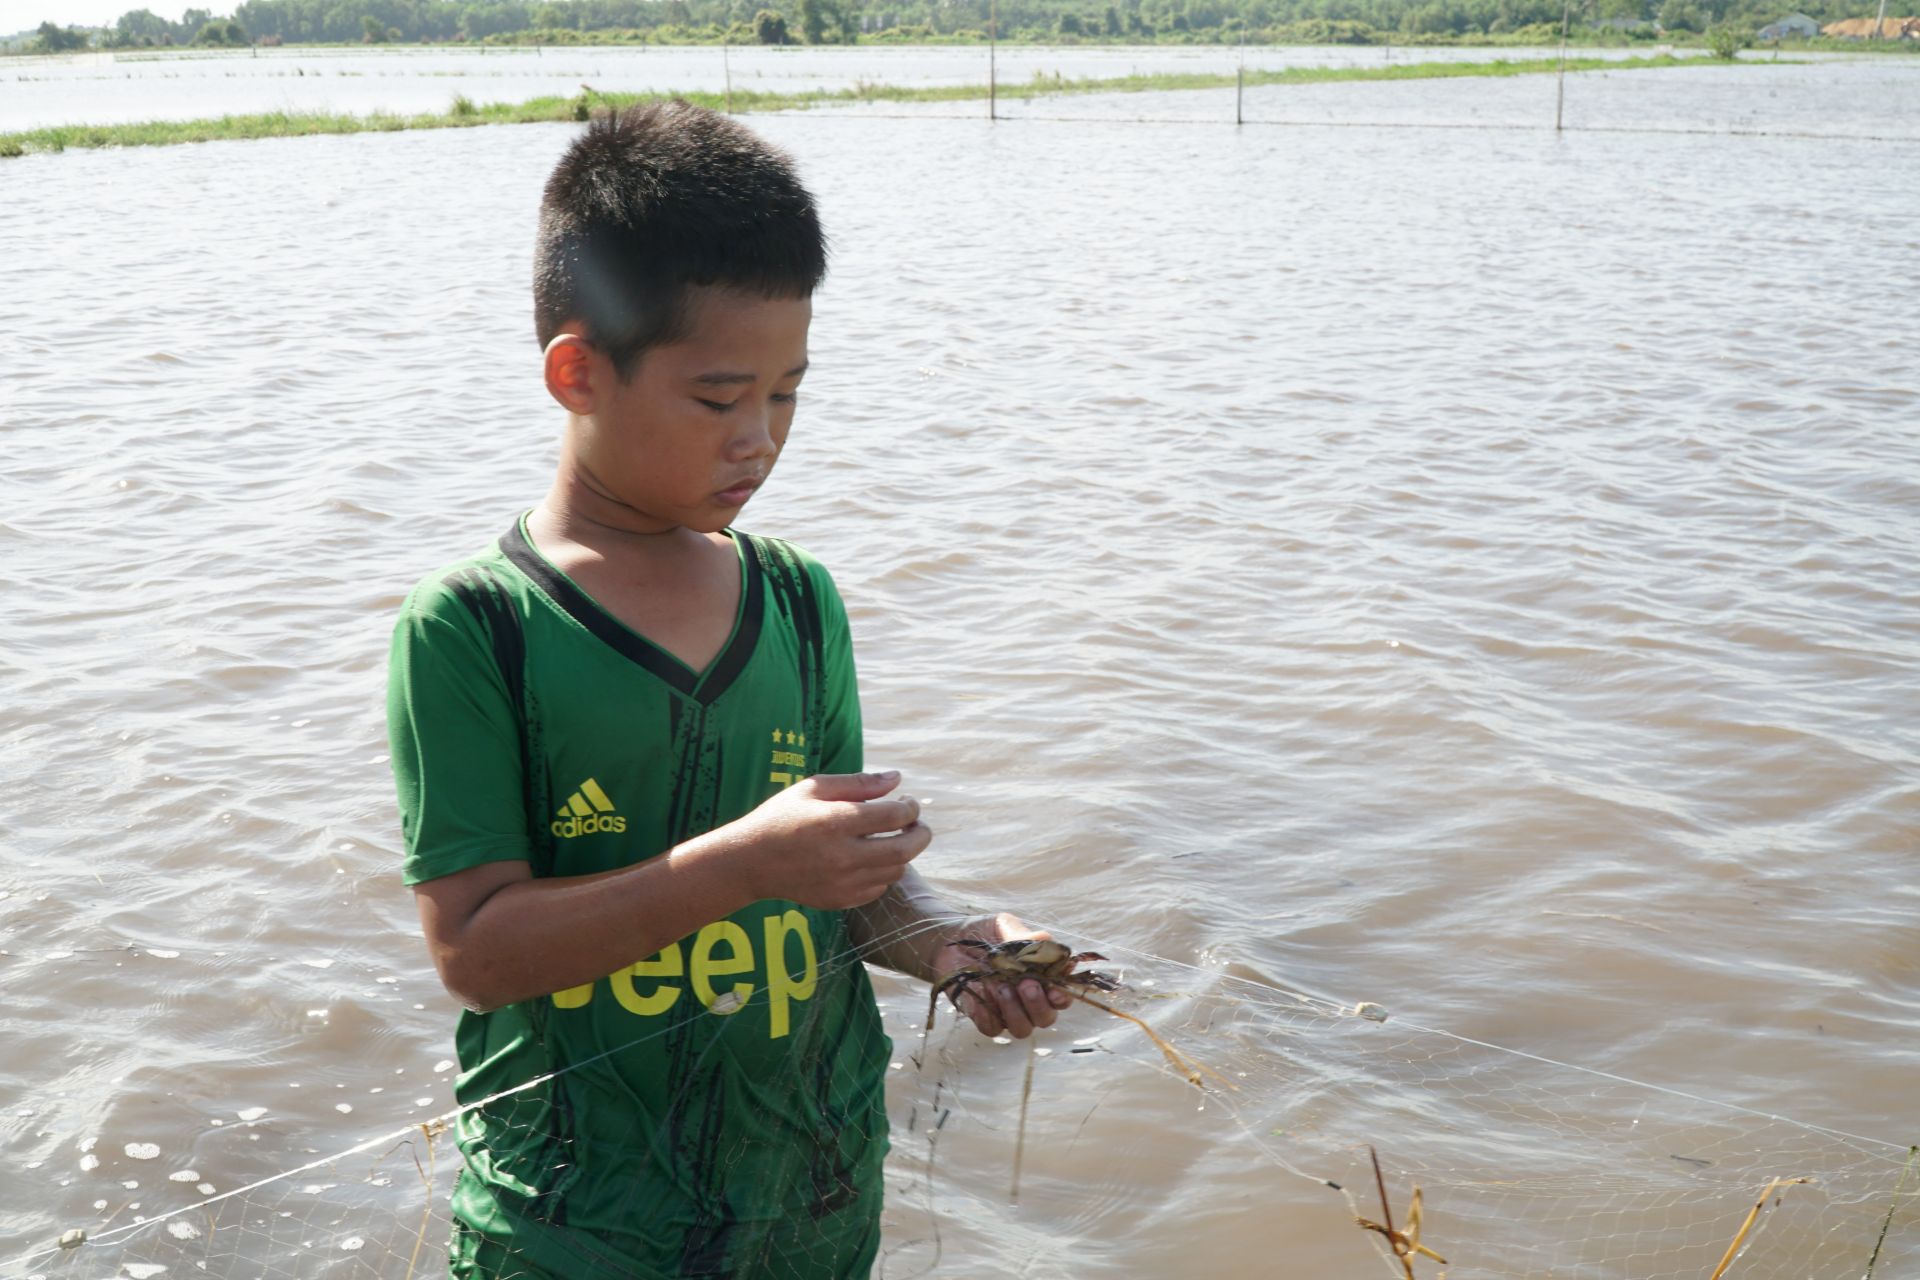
[(1646, 90), (1525, 1166)]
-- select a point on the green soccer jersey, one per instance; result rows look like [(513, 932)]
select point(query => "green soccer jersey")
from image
[(714, 1109)]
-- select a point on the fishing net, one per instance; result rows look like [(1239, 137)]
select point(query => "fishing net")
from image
[(1525, 1166)]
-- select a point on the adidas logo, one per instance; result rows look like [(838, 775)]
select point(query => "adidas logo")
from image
[(587, 812)]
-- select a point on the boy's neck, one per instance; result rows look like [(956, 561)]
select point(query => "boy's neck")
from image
[(577, 504), (576, 511), (678, 588)]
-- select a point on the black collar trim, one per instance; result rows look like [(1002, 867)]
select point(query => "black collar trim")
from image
[(582, 608)]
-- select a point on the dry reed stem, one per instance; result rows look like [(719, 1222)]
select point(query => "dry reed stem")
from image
[(1753, 1214), (429, 1128), (1404, 1244), (1386, 1212), (1880, 1243), (1020, 1134)]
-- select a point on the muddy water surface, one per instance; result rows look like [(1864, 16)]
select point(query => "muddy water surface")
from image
[(1468, 571)]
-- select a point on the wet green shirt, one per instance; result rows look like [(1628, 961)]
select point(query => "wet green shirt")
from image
[(717, 1108)]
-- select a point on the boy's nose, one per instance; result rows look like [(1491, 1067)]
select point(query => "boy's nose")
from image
[(754, 435)]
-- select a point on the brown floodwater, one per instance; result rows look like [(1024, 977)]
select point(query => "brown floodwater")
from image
[(1469, 571)]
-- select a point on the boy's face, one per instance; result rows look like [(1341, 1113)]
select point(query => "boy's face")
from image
[(688, 438)]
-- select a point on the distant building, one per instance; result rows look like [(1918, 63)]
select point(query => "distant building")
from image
[(1796, 26)]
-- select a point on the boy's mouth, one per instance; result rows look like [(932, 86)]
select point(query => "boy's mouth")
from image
[(739, 493)]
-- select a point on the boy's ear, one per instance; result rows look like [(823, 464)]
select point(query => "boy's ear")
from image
[(570, 361)]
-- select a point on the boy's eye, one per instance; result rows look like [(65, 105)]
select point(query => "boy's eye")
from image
[(719, 406)]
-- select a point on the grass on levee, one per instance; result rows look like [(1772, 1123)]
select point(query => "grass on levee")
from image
[(464, 113)]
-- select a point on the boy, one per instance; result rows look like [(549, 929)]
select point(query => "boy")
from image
[(627, 744)]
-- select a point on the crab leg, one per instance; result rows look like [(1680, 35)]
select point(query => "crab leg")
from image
[(1186, 1067), (959, 979)]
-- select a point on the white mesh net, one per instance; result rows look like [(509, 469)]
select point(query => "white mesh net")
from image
[(1526, 1167)]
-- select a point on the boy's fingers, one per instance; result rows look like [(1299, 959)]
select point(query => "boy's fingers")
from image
[(984, 1015), (883, 862), (1017, 1011), (876, 816), (851, 786), (900, 848), (1038, 1003), (1013, 1010)]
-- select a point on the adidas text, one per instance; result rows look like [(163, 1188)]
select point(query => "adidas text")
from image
[(588, 826), (587, 812)]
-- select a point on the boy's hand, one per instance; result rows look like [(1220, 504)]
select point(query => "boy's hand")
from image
[(997, 1008), (831, 842)]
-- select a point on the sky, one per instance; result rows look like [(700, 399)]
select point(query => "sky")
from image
[(19, 15)]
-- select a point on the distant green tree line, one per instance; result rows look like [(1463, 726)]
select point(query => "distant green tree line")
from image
[(823, 21), (140, 28), (833, 21)]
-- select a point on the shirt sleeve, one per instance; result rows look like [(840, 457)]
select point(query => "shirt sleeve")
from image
[(454, 736), (844, 750)]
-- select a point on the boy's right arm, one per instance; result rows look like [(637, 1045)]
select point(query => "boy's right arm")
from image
[(499, 935)]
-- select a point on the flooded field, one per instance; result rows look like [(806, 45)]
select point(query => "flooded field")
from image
[(1467, 570), (112, 88)]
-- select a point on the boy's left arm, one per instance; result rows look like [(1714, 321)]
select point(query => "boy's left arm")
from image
[(911, 930)]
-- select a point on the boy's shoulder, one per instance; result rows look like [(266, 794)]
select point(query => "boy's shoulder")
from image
[(780, 549), (790, 562), (464, 590)]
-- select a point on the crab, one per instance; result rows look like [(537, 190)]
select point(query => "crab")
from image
[(1048, 962), (1051, 964)]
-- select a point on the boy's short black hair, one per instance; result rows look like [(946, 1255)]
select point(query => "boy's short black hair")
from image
[(657, 198)]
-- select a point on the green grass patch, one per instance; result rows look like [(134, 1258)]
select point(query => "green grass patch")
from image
[(465, 113)]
